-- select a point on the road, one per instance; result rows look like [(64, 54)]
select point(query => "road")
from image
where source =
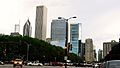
[(11, 66)]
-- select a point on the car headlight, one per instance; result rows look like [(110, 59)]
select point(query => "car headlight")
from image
[(20, 62), (15, 62)]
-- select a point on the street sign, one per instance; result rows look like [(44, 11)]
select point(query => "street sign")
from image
[(65, 58)]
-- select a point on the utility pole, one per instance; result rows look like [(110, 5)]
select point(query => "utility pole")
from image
[(66, 41)]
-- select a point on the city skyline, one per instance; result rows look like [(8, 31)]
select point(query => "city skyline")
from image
[(100, 19)]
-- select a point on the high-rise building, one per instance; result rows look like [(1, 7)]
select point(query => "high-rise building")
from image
[(41, 23), (17, 28), (107, 46), (100, 54), (75, 38), (27, 29), (58, 32), (89, 53), (83, 51), (94, 55)]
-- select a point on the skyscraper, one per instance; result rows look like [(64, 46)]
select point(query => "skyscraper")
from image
[(100, 54), (27, 29), (17, 28), (107, 47), (75, 37), (89, 56), (41, 23), (83, 51), (58, 32)]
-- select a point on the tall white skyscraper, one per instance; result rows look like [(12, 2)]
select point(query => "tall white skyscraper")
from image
[(41, 23)]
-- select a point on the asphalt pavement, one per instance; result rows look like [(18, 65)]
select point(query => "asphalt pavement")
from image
[(11, 66)]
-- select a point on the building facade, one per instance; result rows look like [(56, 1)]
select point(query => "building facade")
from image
[(94, 55), (89, 53), (100, 54), (58, 32), (83, 51), (27, 29), (75, 38), (15, 34), (107, 46), (41, 23)]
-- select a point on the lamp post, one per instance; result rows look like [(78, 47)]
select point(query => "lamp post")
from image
[(28, 45), (66, 40), (27, 51)]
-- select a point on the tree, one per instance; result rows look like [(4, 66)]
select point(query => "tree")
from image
[(17, 47)]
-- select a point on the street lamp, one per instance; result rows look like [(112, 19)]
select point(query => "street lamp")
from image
[(66, 40), (27, 51), (28, 45)]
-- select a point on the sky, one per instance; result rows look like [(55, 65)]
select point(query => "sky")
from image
[(99, 18)]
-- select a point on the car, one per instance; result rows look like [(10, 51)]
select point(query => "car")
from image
[(1, 63), (17, 62), (112, 64), (95, 65), (34, 63)]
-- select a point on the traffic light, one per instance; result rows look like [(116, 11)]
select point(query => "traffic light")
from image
[(69, 47)]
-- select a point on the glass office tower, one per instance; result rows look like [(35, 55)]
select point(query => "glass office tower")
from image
[(58, 32), (75, 37)]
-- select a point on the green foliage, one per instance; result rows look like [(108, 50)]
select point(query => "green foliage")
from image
[(17, 46)]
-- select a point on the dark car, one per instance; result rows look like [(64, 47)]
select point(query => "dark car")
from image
[(18, 62), (112, 64)]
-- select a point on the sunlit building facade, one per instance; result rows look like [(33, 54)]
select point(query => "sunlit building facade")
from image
[(41, 23)]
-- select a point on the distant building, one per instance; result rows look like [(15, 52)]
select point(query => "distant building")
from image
[(27, 29), (16, 31), (100, 54), (83, 51), (89, 54), (58, 32), (17, 28), (107, 46), (94, 55), (41, 23), (75, 34), (15, 34)]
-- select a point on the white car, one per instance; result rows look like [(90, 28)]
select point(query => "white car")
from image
[(34, 64), (2, 63)]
